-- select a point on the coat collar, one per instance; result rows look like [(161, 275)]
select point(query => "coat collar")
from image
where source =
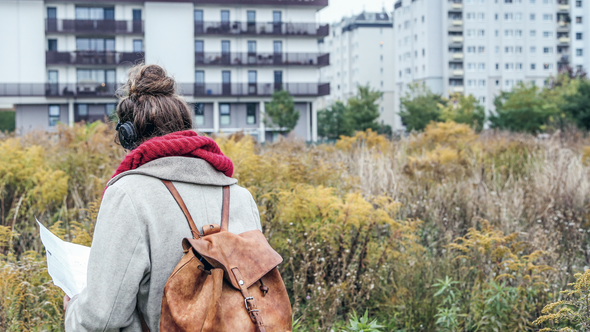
[(180, 169)]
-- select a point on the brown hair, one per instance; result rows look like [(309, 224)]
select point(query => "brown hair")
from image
[(152, 104)]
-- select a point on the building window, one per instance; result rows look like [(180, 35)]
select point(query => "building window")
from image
[(199, 15), (199, 114), (52, 44), (578, 3), (251, 16), (533, 66), (482, 83), (533, 49), (547, 34), (95, 13), (532, 17), (481, 49), (137, 45), (578, 19), (54, 115), (136, 15), (547, 17), (250, 114), (533, 33), (51, 13), (508, 33), (225, 16), (497, 66), (422, 18), (224, 115), (547, 49), (497, 82), (579, 52), (508, 16), (578, 36), (519, 66), (95, 44), (518, 33), (423, 52), (547, 66)]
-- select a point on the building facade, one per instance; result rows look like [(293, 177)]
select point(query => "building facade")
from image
[(69, 58), (360, 49), (482, 47)]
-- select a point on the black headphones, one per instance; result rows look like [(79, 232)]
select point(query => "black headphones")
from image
[(127, 135)]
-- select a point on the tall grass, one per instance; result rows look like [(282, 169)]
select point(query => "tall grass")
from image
[(444, 230)]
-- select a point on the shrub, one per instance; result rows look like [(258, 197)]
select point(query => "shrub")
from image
[(281, 111), (7, 120), (464, 109), (419, 107)]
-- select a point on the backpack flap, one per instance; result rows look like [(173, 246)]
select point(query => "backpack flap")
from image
[(249, 252)]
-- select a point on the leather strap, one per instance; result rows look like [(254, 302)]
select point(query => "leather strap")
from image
[(180, 202), (225, 210), (249, 302), (144, 326)]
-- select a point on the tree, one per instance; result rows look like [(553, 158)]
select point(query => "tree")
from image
[(335, 121), (577, 106), (463, 109), (419, 107), (523, 109), (363, 108), (281, 111)]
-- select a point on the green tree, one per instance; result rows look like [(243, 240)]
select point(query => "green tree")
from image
[(7, 120), (523, 109), (335, 121), (281, 111), (463, 109), (419, 107), (363, 108), (577, 106)]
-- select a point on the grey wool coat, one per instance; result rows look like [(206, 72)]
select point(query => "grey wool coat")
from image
[(138, 240)]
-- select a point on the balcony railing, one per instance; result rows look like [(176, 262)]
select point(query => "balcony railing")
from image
[(270, 29), (92, 58), (262, 59), (94, 26), (93, 90), (254, 89)]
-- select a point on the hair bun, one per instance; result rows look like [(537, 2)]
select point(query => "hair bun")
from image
[(150, 80)]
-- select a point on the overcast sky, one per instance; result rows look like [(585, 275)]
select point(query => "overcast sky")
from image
[(339, 8)]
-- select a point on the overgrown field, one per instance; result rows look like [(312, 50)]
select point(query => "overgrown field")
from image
[(446, 230)]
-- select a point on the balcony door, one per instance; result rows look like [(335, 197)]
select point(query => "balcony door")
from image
[(53, 83), (199, 24), (252, 82), (225, 52), (251, 24), (277, 52), (225, 20), (51, 19), (226, 82), (199, 52), (251, 52), (278, 80), (199, 82), (277, 22), (137, 23)]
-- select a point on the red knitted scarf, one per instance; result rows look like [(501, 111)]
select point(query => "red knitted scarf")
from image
[(179, 144)]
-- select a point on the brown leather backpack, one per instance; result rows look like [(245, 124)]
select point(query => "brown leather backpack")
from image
[(225, 281)]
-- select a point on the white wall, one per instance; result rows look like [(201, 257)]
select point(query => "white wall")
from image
[(169, 35), (22, 58)]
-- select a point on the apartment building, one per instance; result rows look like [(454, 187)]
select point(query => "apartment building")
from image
[(482, 47), (67, 58), (360, 49)]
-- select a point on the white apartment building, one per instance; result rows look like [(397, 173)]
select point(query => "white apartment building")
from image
[(63, 60), (482, 47), (360, 49)]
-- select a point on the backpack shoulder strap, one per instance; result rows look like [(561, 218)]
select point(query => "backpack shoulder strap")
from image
[(225, 210), (180, 202)]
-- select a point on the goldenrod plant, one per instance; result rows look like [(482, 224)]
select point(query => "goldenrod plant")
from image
[(447, 229)]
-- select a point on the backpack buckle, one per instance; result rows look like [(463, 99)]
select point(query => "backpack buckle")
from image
[(246, 302)]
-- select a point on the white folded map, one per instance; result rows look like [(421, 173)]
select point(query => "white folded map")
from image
[(67, 263)]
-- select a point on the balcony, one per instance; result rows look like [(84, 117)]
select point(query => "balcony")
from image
[(94, 26), (563, 8), (108, 90), (458, 72), (254, 89), (458, 89), (456, 6), (92, 58), (262, 29), (262, 59), (457, 56), (457, 39), (457, 23), (564, 40)]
